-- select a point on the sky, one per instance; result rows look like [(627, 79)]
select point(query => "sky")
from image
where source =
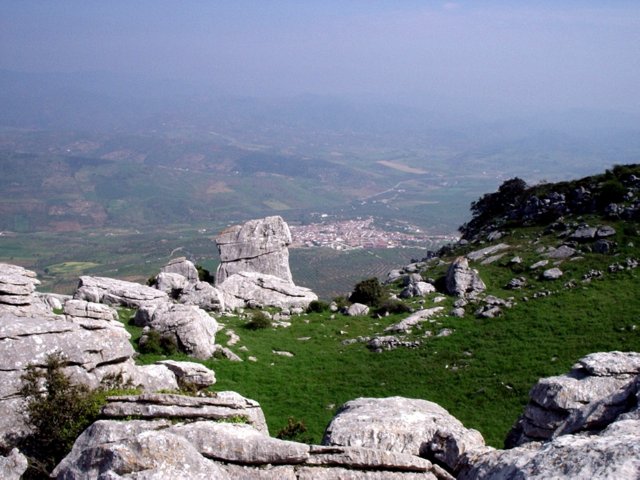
[(495, 55)]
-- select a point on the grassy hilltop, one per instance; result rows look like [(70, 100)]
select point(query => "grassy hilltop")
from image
[(483, 370)]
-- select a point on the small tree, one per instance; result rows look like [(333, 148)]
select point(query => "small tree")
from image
[(370, 292), (57, 411)]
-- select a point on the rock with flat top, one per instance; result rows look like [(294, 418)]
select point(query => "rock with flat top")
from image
[(244, 289), (183, 267), (118, 293)]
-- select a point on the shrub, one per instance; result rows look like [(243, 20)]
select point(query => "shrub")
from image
[(258, 321), (158, 344), (294, 430), (392, 306), (317, 306), (370, 292), (56, 411), (611, 191), (204, 275)]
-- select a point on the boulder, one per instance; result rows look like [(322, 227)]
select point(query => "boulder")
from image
[(203, 295), (17, 285), (13, 465), (258, 246), (183, 267), (192, 328), (89, 310), (358, 310), (462, 281), (486, 252), (190, 373), (390, 342), (404, 425), (243, 289), (118, 293), (552, 274), (173, 284), (560, 253), (584, 233), (418, 289)]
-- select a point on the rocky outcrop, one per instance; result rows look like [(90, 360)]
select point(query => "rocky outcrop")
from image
[(250, 289), (556, 402), (203, 295), (13, 465), (206, 449), (258, 246), (463, 281), (183, 267), (404, 425), (118, 293), (192, 329)]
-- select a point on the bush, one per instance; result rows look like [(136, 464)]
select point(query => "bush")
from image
[(258, 321), (294, 430), (611, 191), (392, 306), (204, 275), (56, 411), (317, 306), (370, 292), (155, 343)]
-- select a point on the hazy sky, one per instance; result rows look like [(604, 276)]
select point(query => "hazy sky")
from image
[(500, 55)]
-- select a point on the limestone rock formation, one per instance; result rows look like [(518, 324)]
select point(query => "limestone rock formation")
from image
[(249, 289), (357, 310), (203, 295), (258, 246), (118, 293), (13, 465), (182, 267), (206, 449), (463, 281), (604, 376), (405, 325), (402, 425), (192, 329)]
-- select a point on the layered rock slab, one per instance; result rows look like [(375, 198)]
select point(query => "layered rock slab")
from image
[(258, 246), (118, 293)]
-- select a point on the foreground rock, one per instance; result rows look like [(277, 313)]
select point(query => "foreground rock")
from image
[(404, 425), (249, 289), (206, 449), (118, 293), (258, 246), (192, 329)]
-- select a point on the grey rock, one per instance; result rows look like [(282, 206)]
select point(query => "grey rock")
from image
[(412, 279), (607, 364), (390, 342), (603, 246), (492, 259), (404, 425), (258, 246), (54, 301), (244, 288), (552, 274), (192, 328), (583, 233), (13, 465), (517, 283), (238, 443), (605, 231), (173, 284), (203, 295), (393, 275), (338, 473), (367, 458), (90, 310), (118, 292), (182, 267), (458, 312), (224, 405), (405, 325), (560, 253), (227, 353), (463, 281), (17, 285), (488, 251), (417, 289), (191, 373), (541, 263), (358, 310)]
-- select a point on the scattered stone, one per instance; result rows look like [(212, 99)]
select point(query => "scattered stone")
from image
[(224, 352), (233, 337), (492, 259), (516, 283), (584, 233), (445, 332), (552, 274), (541, 263), (605, 231), (282, 353), (405, 325), (358, 310), (390, 342), (560, 253), (489, 311), (458, 312), (604, 247), (488, 251)]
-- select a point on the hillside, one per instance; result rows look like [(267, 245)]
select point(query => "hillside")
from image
[(479, 363)]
